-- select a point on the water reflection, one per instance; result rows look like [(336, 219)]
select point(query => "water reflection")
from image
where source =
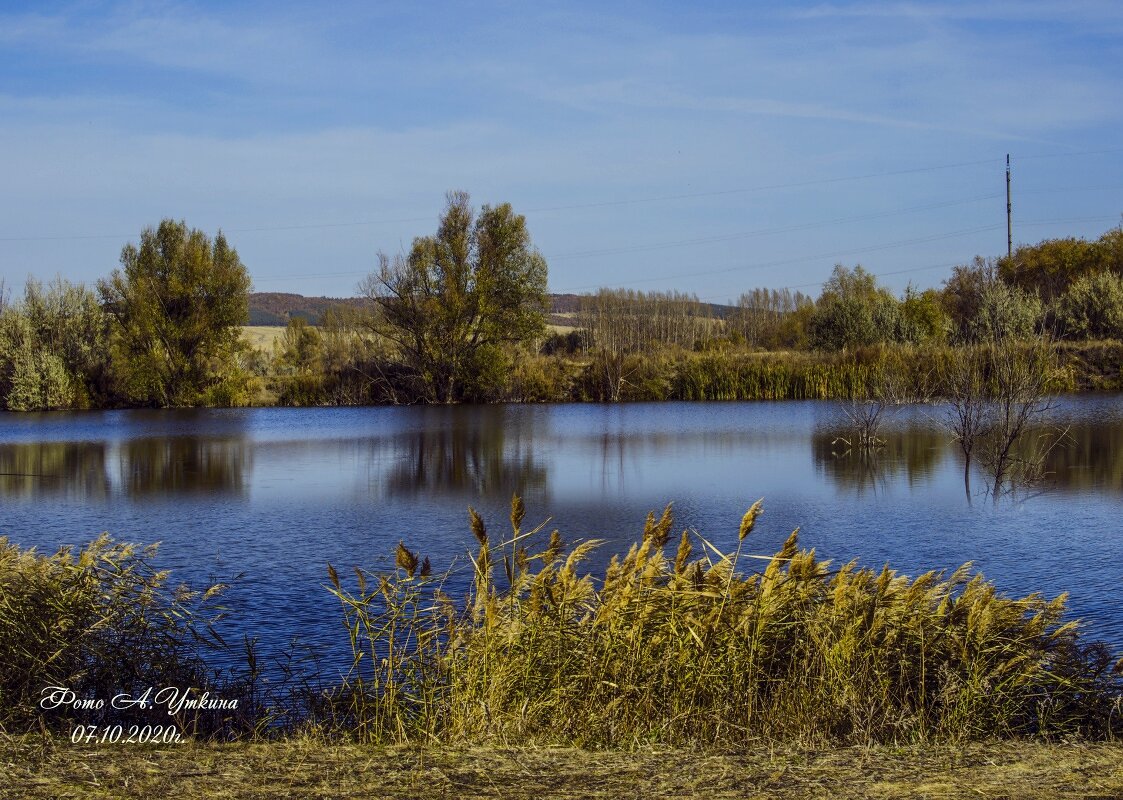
[(184, 465), (1086, 457), (1080, 456), (913, 453), (41, 469), (344, 485), (490, 454)]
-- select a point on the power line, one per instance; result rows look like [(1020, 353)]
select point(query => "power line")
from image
[(834, 254), (701, 240), (760, 265), (589, 205), (768, 231), (1072, 154), (546, 209), (1070, 220), (766, 187)]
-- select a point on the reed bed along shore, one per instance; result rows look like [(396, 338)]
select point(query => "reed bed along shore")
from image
[(675, 644), (669, 373)]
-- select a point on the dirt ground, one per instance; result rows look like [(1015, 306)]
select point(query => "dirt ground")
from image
[(34, 767)]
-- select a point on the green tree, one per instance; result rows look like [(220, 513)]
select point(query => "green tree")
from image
[(1092, 308), (1111, 245), (176, 306), (299, 349), (853, 311), (459, 297), (1048, 268), (984, 308), (53, 348)]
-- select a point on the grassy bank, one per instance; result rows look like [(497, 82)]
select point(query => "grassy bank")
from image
[(38, 768), (677, 374)]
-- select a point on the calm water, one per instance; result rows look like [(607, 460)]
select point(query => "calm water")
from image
[(277, 494)]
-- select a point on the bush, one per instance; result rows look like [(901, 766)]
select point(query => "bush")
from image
[(667, 647), (1092, 308), (99, 622)]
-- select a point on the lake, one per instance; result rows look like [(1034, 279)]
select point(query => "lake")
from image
[(277, 494)]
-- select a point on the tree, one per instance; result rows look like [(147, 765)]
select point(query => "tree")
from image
[(984, 308), (995, 394), (300, 348), (853, 311), (176, 308), (53, 348), (459, 297), (923, 320), (764, 316), (1049, 267), (1092, 308)]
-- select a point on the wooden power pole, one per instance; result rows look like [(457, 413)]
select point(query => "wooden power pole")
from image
[(1009, 227)]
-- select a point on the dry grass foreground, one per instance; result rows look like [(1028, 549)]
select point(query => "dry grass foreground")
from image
[(42, 768)]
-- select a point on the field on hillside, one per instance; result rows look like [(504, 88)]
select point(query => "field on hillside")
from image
[(262, 337)]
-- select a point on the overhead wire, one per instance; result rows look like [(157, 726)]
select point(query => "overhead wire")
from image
[(547, 209)]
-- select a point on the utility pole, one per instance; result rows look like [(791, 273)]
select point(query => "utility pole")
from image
[(1009, 228)]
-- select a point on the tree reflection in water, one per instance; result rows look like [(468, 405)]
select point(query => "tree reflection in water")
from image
[(912, 453), (488, 454), (184, 465), (41, 469), (1083, 456), (1086, 456)]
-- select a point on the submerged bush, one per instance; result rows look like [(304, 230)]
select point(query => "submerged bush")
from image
[(679, 649)]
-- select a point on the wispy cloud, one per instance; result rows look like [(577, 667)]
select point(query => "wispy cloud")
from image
[(245, 115)]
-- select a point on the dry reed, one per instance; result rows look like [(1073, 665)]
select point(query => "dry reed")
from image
[(689, 649)]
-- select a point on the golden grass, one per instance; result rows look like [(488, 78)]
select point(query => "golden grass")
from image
[(721, 650), (675, 644), (261, 337), (99, 621), (39, 768)]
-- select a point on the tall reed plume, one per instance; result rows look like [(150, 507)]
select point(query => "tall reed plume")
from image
[(693, 648)]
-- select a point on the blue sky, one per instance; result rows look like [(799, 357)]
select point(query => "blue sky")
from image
[(704, 147)]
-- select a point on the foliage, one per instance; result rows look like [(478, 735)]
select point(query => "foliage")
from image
[(923, 320), (620, 321), (984, 308), (176, 309), (682, 647), (1050, 267), (764, 318), (1092, 308), (459, 296), (99, 622), (853, 311), (300, 349), (53, 349)]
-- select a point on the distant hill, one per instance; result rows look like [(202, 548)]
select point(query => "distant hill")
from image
[(277, 308)]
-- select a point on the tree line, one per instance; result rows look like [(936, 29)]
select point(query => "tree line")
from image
[(461, 317), (160, 331)]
